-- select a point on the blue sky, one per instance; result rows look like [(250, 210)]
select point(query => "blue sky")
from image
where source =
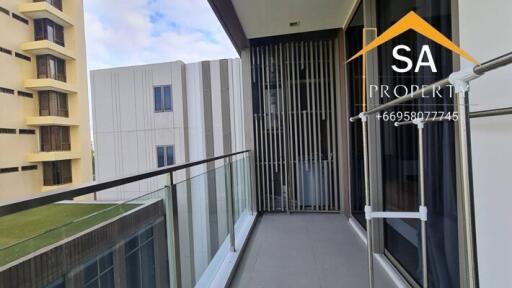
[(132, 32)]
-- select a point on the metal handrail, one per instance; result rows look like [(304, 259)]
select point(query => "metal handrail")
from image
[(479, 70), (88, 188), (460, 81), (491, 112)]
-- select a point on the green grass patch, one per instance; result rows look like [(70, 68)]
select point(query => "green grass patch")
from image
[(28, 231)]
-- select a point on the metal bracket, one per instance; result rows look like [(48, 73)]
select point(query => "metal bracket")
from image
[(419, 122), (363, 116), (421, 214), (460, 79)]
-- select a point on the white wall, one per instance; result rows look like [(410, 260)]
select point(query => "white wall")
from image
[(126, 128), (484, 34)]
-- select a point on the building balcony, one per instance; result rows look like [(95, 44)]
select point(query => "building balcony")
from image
[(52, 156), (50, 120), (45, 189), (49, 84), (45, 10), (45, 47)]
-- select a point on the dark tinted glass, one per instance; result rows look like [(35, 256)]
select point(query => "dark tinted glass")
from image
[(167, 98), (147, 256), (106, 262), (158, 99), (146, 235), (160, 155), (90, 271), (131, 244), (133, 279), (107, 279), (354, 38), (400, 149), (170, 155)]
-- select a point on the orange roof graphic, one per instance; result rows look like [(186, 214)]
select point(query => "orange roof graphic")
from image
[(416, 23)]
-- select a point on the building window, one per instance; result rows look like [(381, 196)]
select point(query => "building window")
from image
[(99, 272), (55, 3), (46, 29), (53, 103), (5, 50), (24, 57), (3, 10), (55, 138), (7, 131), (25, 94), (19, 18), (9, 170), (57, 173), (29, 168), (163, 98), (6, 90), (140, 260), (165, 155), (60, 283), (27, 132), (49, 66)]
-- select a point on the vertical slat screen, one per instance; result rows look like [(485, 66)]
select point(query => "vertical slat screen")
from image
[(294, 104)]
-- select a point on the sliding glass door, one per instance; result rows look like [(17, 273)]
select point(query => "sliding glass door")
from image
[(354, 43), (399, 149)]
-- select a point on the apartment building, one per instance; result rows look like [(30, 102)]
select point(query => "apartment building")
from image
[(44, 118), (151, 116)]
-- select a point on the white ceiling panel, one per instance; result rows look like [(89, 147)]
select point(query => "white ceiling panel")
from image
[(262, 18)]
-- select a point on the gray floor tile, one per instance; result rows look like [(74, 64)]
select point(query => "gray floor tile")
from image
[(305, 250)]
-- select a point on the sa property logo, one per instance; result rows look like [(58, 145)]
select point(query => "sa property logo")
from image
[(416, 23), (425, 59)]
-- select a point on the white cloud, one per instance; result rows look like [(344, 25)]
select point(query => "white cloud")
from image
[(132, 32)]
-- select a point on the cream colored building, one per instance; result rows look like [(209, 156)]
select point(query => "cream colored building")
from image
[(44, 119)]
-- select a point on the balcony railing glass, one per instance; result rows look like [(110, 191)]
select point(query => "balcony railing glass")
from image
[(177, 236)]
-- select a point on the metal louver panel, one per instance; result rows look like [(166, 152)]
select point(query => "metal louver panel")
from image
[(294, 103)]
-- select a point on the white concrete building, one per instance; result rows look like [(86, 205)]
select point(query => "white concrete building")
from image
[(185, 112)]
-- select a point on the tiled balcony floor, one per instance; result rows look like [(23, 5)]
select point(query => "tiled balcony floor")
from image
[(306, 250)]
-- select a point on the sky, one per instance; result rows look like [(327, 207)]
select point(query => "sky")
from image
[(133, 32)]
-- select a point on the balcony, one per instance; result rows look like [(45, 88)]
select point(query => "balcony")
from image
[(52, 156), (49, 84), (45, 47), (37, 10), (50, 120), (307, 250)]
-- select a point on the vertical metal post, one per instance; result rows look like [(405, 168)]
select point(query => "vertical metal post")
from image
[(172, 231), (229, 198), (251, 162), (464, 170), (421, 169), (369, 227)]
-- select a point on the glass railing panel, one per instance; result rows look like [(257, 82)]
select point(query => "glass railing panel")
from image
[(134, 232), (202, 218), (241, 186), (62, 224)]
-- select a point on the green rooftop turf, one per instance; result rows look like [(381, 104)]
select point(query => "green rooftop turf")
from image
[(28, 231)]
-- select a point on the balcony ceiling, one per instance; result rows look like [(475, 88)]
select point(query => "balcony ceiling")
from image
[(263, 18)]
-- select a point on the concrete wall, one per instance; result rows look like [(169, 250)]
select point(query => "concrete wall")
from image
[(482, 34), (126, 128)]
